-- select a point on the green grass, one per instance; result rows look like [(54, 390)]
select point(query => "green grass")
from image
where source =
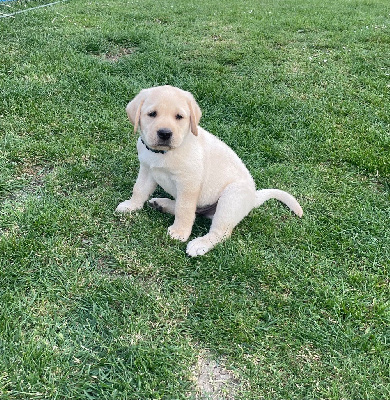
[(95, 306)]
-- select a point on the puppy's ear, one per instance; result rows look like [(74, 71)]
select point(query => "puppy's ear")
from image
[(133, 109), (195, 113)]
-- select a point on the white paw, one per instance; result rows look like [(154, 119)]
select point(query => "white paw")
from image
[(179, 234), (125, 207), (199, 246)]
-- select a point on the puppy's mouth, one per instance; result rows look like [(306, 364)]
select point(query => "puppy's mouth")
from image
[(157, 147), (164, 144), (164, 147), (161, 145)]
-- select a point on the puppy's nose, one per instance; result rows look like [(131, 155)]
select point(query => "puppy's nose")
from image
[(164, 133)]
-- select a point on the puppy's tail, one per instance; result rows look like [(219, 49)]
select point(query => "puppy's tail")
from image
[(286, 198)]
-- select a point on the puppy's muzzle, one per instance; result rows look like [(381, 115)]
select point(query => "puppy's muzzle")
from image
[(164, 134)]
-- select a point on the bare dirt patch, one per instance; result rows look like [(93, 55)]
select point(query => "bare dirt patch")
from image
[(213, 381), (117, 55)]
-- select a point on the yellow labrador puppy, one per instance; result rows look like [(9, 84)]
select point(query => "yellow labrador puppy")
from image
[(202, 174)]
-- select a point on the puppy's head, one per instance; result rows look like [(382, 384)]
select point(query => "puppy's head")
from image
[(165, 115)]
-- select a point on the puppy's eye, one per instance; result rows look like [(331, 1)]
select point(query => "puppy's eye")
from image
[(152, 114), (178, 116)]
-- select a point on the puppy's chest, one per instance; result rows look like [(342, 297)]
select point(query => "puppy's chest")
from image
[(160, 171), (164, 179)]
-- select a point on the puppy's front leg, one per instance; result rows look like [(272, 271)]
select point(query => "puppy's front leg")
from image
[(143, 188), (185, 208)]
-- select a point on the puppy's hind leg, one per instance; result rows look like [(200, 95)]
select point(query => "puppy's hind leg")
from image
[(163, 205), (236, 201)]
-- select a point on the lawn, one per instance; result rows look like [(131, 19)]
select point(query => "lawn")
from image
[(99, 306)]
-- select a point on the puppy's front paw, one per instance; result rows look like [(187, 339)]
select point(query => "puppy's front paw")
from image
[(179, 234), (126, 207), (199, 246)]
